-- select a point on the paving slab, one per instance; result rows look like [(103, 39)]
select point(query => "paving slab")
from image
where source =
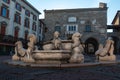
[(100, 71)]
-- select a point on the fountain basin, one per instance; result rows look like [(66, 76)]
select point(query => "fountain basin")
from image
[(51, 56), (66, 45)]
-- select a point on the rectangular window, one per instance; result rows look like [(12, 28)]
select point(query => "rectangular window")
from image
[(27, 13), (72, 19), (27, 23), (58, 28), (18, 6), (7, 1), (72, 28), (4, 12), (17, 18), (109, 30), (88, 28), (34, 17), (34, 26)]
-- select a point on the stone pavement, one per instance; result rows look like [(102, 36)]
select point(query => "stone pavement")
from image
[(101, 72)]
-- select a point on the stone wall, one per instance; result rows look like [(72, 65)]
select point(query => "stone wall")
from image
[(95, 17)]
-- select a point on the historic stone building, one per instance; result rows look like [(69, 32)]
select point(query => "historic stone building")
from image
[(115, 31), (91, 22), (41, 33), (18, 19)]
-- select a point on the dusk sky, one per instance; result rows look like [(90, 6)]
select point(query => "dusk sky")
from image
[(41, 5)]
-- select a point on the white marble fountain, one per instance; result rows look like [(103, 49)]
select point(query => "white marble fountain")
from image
[(59, 51)]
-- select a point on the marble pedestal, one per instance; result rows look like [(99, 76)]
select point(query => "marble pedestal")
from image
[(51, 56), (107, 58)]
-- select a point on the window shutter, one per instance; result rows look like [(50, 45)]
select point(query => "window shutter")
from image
[(7, 13), (14, 17), (20, 19), (25, 22), (16, 33), (35, 27), (0, 10), (20, 8), (29, 14), (8, 1), (26, 34), (28, 24), (3, 29)]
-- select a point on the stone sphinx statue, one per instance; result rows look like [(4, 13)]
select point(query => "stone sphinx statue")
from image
[(20, 52), (77, 49), (25, 54), (106, 53)]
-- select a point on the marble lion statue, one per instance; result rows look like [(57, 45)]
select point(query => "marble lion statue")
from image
[(20, 52), (31, 47), (106, 53), (77, 49)]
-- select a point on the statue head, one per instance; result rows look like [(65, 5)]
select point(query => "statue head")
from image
[(100, 46), (32, 38), (109, 38), (56, 34), (18, 43), (76, 35)]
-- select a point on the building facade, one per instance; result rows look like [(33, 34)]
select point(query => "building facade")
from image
[(18, 19), (41, 32), (91, 22)]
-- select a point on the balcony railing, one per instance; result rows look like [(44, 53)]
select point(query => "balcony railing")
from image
[(70, 32)]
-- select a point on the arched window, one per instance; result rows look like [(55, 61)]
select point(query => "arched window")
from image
[(3, 28), (16, 32)]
